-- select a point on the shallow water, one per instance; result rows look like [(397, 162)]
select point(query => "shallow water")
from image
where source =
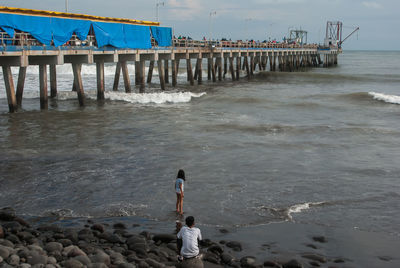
[(315, 147)]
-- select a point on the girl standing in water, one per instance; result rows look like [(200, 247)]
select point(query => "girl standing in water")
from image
[(179, 189)]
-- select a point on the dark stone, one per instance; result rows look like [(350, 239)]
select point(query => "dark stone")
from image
[(224, 231), (320, 239), (126, 265), (83, 259), (112, 238), (13, 260), (146, 235), (12, 227), (135, 225), (339, 261), (25, 236), (119, 225), (72, 263), (58, 236), (101, 257), (312, 246), (385, 258), (293, 264), (172, 246), (236, 246), (272, 264), (65, 242), (35, 258), (4, 252), (13, 238), (216, 249), (206, 243), (143, 264), (21, 221), (154, 263), (164, 238), (7, 214), (53, 246), (6, 243), (314, 264), (72, 235), (50, 228), (315, 257), (248, 262), (222, 242), (1, 232), (211, 257), (227, 258), (136, 239)]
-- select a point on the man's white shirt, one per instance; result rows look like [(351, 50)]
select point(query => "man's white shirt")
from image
[(190, 245)]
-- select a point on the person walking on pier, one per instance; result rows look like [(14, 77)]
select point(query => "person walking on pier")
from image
[(179, 189)]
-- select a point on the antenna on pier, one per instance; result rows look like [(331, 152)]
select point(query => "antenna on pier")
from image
[(157, 5), (334, 31), (66, 6)]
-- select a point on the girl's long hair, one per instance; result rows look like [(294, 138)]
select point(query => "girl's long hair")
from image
[(181, 175)]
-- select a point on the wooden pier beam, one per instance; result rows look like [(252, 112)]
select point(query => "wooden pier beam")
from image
[(142, 75), (10, 90), (20, 85), (251, 65), (117, 75), (53, 81), (189, 71), (161, 73), (76, 68), (100, 80), (125, 74), (150, 73)]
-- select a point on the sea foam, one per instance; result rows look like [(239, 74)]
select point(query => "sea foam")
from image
[(386, 98)]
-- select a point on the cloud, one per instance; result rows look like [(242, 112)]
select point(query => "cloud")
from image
[(373, 5), (184, 9)]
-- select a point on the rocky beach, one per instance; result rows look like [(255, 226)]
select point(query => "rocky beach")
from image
[(114, 243)]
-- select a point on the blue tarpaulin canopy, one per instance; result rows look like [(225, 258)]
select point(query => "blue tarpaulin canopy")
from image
[(162, 35), (60, 30)]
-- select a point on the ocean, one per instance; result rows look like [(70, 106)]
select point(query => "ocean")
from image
[(318, 147)]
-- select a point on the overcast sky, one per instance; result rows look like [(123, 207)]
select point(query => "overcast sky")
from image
[(379, 20)]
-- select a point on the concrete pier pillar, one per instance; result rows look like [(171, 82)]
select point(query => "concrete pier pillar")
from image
[(225, 66), (53, 81), (125, 75), (237, 68), (196, 71), (213, 75), (161, 73), (100, 80), (251, 65), (142, 76), (76, 68), (137, 73), (219, 64), (117, 75), (246, 62), (20, 85), (209, 59), (189, 71), (199, 71), (166, 71), (174, 70), (231, 68), (150, 73), (10, 90)]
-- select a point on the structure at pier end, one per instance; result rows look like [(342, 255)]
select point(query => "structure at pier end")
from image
[(47, 39)]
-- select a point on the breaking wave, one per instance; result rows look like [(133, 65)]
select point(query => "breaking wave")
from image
[(385, 98)]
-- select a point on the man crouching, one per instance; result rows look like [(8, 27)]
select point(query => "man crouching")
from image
[(190, 236)]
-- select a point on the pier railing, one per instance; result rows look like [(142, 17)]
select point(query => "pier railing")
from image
[(25, 41)]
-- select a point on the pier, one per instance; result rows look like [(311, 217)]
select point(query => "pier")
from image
[(222, 60)]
